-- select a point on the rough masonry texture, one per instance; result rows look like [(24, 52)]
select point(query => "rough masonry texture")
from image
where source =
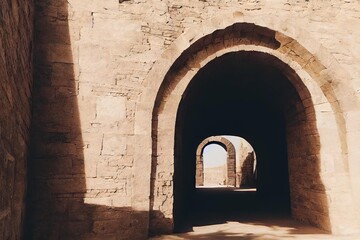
[(16, 28), (246, 166), (110, 127)]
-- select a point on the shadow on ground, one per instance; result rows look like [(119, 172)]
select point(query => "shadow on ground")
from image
[(264, 228), (220, 205)]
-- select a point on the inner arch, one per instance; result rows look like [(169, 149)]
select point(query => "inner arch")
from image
[(214, 155), (246, 94), (215, 165)]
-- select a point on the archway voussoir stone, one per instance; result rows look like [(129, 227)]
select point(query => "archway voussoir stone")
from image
[(172, 54)]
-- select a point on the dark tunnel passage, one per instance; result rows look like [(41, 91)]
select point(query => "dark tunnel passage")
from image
[(238, 94)]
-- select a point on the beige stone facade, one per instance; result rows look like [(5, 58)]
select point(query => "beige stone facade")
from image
[(111, 82)]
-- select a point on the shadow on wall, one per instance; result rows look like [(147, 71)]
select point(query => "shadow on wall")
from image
[(16, 68), (248, 175), (56, 167)]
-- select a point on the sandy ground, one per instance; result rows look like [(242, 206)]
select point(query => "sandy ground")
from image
[(268, 229)]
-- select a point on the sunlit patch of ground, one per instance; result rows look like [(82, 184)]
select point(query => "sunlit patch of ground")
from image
[(228, 188), (268, 229)]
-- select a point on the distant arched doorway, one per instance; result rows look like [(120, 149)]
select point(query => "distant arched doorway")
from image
[(230, 162)]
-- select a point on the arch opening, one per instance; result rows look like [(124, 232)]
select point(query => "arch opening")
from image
[(237, 94), (282, 100), (218, 157), (215, 165)]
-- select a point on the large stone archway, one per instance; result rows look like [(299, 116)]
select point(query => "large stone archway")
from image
[(230, 162), (320, 82)]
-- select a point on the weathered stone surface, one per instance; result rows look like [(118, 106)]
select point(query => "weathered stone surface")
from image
[(16, 44), (99, 66)]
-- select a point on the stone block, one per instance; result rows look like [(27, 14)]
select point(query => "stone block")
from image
[(110, 226), (114, 145), (110, 109), (99, 201), (66, 186)]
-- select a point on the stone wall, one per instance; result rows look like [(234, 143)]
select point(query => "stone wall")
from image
[(245, 165), (16, 24), (246, 176), (318, 79), (82, 138), (90, 162)]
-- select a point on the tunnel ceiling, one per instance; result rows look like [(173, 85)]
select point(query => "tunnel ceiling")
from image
[(236, 94)]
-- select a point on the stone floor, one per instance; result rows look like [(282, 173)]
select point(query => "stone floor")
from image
[(265, 229)]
